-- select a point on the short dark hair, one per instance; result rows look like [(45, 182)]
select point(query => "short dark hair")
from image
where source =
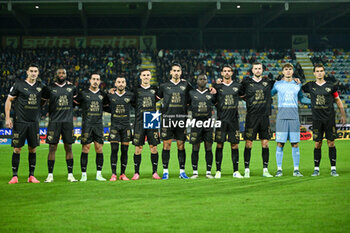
[(120, 76), (202, 75), (95, 73), (143, 70), (176, 64), (33, 65), (318, 66), (227, 66)]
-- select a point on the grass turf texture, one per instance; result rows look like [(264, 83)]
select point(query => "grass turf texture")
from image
[(284, 204)]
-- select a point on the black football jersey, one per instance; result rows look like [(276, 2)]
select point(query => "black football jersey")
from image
[(144, 101), (174, 97), (120, 107), (257, 95), (201, 104), (321, 99), (227, 99), (92, 104), (27, 102), (60, 101)]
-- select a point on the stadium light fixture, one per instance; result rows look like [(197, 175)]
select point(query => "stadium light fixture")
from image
[(286, 6), (149, 4), (9, 6), (218, 5), (80, 6)]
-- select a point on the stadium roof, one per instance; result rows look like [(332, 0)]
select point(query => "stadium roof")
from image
[(91, 17)]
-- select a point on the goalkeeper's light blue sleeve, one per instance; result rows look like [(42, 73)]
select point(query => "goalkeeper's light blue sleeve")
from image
[(303, 99)]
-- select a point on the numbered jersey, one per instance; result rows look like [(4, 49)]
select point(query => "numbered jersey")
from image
[(257, 95), (322, 99), (60, 101), (120, 107), (27, 102), (92, 105)]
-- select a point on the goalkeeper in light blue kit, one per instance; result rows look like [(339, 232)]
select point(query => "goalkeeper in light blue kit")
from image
[(287, 123)]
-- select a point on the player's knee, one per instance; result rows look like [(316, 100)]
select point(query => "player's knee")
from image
[(99, 149), (17, 150), (330, 143), (220, 145), (318, 145), (234, 146), (68, 147), (195, 148), (86, 148), (265, 144), (52, 148), (154, 150), (249, 144), (295, 145), (180, 145), (32, 149), (208, 147), (138, 150), (166, 145), (280, 144)]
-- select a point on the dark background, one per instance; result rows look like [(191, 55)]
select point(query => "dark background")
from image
[(186, 24)]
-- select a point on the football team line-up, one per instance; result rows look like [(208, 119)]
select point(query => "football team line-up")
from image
[(179, 96)]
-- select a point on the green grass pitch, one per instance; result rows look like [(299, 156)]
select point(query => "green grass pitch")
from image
[(284, 204)]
